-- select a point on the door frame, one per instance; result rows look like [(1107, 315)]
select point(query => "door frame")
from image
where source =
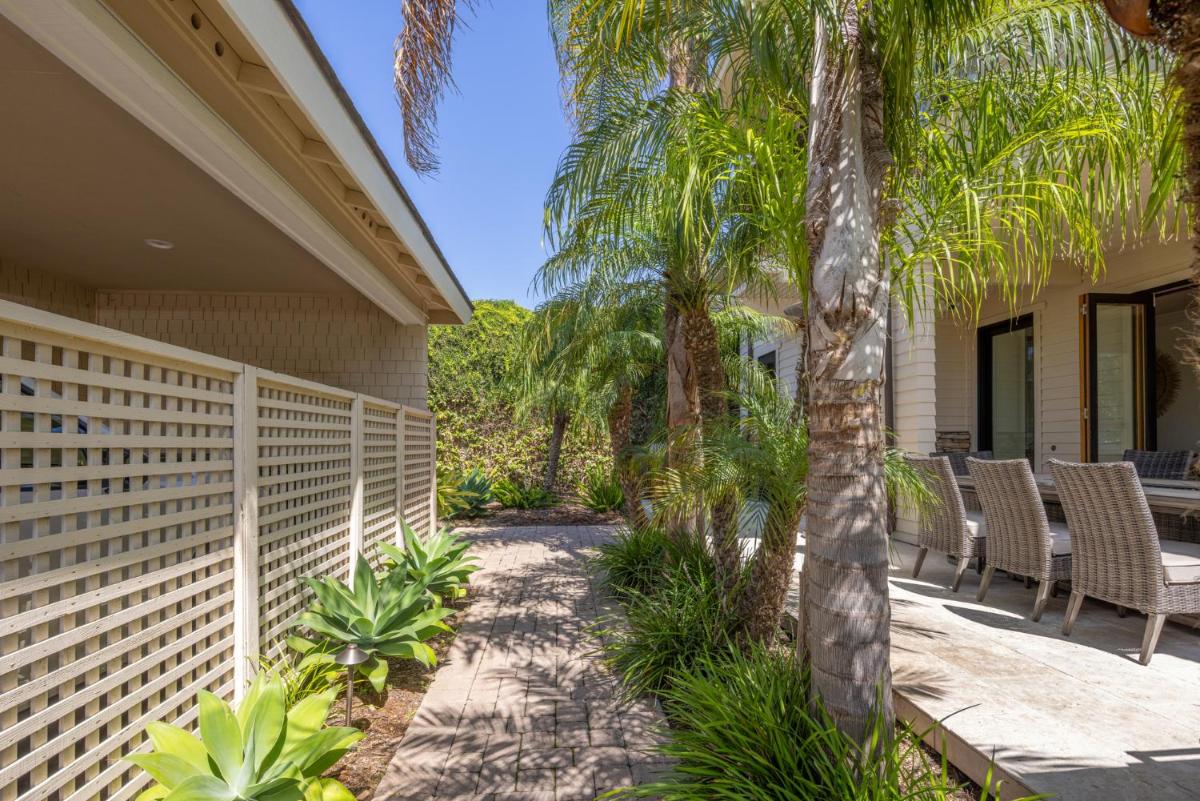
[(983, 336), (1146, 433)]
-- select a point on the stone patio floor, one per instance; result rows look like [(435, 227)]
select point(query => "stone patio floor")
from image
[(522, 707)]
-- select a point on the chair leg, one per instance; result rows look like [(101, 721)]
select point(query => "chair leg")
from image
[(1043, 595), (1054, 589), (958, 573), (1028, 582), (1121, 611), (1073, 605), (920, 561), (985, 582), (1154, 626)]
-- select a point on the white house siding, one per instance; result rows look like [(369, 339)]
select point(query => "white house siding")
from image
[(1056, 343)]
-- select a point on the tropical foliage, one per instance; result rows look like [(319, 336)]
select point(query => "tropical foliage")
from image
[(600, 490), (517, 493), (266, 750), (475, 388), (388, 616), (439, 563)]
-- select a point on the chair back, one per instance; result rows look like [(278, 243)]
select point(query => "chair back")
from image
[(944, 525), (958, 459), (1161, 464), (1115, 554), (1018, 533)]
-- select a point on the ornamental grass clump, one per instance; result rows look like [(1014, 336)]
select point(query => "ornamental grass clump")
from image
[(440, 562), (266, 751), (600, 490), (633, 561), (391, 616), (744, 728)]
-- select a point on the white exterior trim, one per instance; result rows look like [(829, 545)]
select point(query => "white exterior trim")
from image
[(87, 37), (274, 36)]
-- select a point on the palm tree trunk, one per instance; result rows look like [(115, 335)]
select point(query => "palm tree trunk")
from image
[(1178, 25), (683, 387), (761, 600), (557, 433), (620, 415), (847, 611)]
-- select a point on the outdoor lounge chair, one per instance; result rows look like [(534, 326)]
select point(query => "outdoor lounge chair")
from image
[(1020, 539), (1175, 465), (1116, 554), (958, 459), (947, 526)]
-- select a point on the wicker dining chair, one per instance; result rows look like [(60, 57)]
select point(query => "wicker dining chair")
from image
[(947, 526), (1175, 465), (1020, 539), (1116, 554), (958, 459)]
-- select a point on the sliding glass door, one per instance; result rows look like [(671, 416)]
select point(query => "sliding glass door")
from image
[(1118, 383), (1006, 389)]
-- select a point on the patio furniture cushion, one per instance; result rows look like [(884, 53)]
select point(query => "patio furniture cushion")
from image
[(976, 526), (1060, 539), (1181, 562), (958, 459)]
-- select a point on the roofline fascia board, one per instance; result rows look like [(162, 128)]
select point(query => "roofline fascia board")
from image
[(88, 38), (271, 28)]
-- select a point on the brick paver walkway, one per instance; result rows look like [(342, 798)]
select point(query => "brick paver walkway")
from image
[(522, 707)]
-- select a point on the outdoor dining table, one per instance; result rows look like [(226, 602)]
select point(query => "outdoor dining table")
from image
[(1163, 495)]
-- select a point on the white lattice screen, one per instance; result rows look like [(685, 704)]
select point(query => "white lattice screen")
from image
[(381, 475), (133, 569), (419, 474), (116, 590)]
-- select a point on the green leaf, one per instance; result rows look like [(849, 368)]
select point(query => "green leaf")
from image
[(266, 726), (168, 770), (221, 734), (306, 718), (327, 790), (376, 671), (152, 793), (202, 788), (168, 739)]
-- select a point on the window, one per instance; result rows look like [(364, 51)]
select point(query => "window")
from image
[(767, 360), (1006, 389)]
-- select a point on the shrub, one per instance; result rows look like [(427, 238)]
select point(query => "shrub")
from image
[(744, 728), (678, 619), (303, 675), (600, 491), (476, 491), (440, 563), (451, 499), (385, 617), (633, 560), (265, 750), (515, 493)]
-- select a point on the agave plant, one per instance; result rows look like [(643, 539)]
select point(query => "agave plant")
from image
[(263, 751), (389, 616), (440, 562)]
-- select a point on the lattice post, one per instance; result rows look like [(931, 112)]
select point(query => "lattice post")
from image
[(433, 521), (357, 437), (245, 537), (402, 422)]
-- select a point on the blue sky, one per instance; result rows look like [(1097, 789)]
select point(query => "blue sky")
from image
[(500, 135)]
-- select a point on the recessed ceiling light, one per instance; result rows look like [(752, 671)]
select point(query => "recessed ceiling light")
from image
[(159, 244)]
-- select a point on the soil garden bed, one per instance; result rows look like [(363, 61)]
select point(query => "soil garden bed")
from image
[(384, 717), (565, 513)]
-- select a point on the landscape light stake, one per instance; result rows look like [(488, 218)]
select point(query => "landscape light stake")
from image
[(351, 656)]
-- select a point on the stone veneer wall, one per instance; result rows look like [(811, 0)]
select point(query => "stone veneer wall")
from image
[(345, 341)]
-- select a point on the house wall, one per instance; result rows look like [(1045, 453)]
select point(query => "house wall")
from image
[(1056, 344), (341, 340), (45, 291), (345, 341)]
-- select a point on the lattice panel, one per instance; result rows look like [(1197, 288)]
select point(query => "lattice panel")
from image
[(304, 495), (418, 469), (381, 476), (116, 565)]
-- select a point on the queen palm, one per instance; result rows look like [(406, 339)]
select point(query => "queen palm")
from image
[(967, 140)]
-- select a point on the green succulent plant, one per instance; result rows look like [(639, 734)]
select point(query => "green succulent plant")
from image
[(263, 752), (475, 489), (516, 493), (439, 562), (388, 616)]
